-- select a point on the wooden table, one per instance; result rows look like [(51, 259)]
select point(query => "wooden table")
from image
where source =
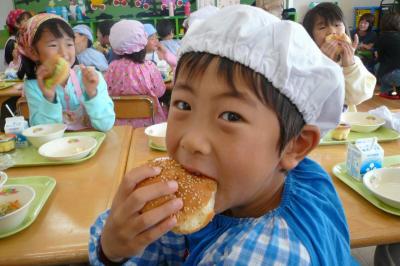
[(368, 224), (377, 101), (60, 233), (15, 90)]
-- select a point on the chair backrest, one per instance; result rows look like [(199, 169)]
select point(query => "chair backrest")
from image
[(22, 107), (134, 106)]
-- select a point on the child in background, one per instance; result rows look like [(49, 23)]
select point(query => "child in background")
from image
[(235, 102), (367, 38), (130, 73), (155, 51), (103, 33), (388, 52), (83, 100), (166, 33), (86, 54), (326, 19)]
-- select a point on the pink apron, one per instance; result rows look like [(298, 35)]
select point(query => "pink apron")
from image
[(75, 119)]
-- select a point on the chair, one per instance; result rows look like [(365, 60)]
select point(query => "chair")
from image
[(134, 106), (22, 107)]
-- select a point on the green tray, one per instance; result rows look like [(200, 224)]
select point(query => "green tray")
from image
[(340, 171), (383, 134), (43, 186), (29, 156), (6, 84)]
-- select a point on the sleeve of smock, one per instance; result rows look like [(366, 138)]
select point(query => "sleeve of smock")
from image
[(100, 108), (158, 82), (359, 83), (41, 111), (155, 254), (171, 59)]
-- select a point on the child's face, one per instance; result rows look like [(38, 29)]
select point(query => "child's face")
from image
[(228, 136), (321, 30), (81, 42), (48, 46), (104, 40), (152, 43), (363, 25)]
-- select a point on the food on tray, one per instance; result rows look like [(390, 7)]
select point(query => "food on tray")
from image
[(341, 132), (7, 142), (8, 207), (196, 191), (339, 37), (60, 71)]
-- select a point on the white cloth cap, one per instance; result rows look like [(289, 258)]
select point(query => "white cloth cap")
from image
[(199, 15), (282, 51)]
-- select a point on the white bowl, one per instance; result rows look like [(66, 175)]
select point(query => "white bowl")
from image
[(40, 134), (68, 148), (156, 135), (384, 183), (3, 179), (362, 122), (25, 195)]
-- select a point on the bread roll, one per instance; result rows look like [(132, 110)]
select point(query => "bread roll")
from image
[(339, 37), (60, 72), (196, 191), (341, 132)]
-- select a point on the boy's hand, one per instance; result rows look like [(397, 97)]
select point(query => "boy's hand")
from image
[(90, 80), (41, 73), (127, 231), (330, 49), (347, 54)]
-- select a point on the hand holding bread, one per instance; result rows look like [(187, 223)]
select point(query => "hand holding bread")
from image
[(90, 80), (128, 231), (339, 46)]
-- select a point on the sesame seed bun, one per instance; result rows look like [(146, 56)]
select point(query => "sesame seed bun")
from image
[(197, 193), (60, 73)]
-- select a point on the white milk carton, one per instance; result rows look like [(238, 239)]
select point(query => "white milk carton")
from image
[(363, 156), (15, 125)]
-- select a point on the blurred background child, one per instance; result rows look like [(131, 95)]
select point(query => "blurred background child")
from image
[(86, 54), (326, 19), (103, 33), (231, 106), (80, 102), (366, 40), (131, 73), (165, 31), (155, 51), (388, 53)]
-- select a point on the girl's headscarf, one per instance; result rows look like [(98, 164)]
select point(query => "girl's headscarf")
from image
[(12, 19), (28, 32)]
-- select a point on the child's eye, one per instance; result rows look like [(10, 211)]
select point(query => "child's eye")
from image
[(231, 116), (181, 105)]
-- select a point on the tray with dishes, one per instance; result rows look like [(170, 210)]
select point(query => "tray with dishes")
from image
[(377, 186), (6, 84), (21, 200), (358, 125), (74, 147)]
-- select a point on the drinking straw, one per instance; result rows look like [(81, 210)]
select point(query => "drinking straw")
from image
[(8, 108)]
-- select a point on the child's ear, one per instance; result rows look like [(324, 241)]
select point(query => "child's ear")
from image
[(299, 147)]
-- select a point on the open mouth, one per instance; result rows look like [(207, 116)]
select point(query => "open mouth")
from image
[(196, 172)]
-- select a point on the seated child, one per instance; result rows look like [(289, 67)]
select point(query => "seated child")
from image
[(245, 116), (103, 33), (166, 33), (326, 19), (86, 54), (130, 73), (155, 51), (388, 50), (80, 102), (366, 37)]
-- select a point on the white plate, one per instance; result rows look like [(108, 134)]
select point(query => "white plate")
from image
[(68, 148), (384, 183), (156, 135), (362, 122)]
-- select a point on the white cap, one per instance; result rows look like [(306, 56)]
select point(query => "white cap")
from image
[(199, 15), (282, 51)]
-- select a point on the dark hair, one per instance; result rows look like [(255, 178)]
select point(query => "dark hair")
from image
[(290, 119), (330, 12), (164, 27), (23, 15), (8, 51), (137, 57), (56, 27), (369, 18), (390, 22), (105, 26)]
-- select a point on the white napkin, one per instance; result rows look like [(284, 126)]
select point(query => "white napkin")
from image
[(392, 119)]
